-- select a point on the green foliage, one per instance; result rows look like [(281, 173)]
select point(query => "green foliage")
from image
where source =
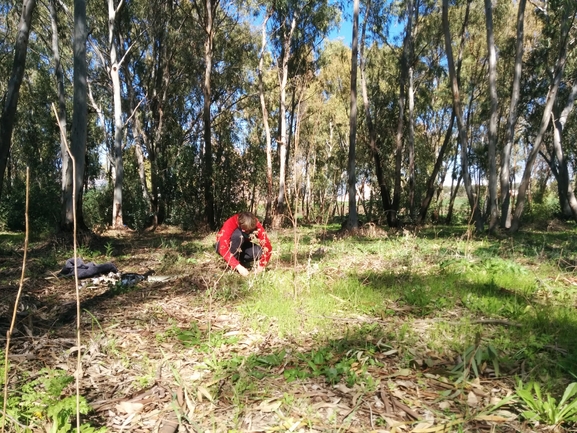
[(43, 212), (40, 397), (544, 408), (97, 207), (333, 364), (542, 210), (475, 359), (204, 341), (109, 249)]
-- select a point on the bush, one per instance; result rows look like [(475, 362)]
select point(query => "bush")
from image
[(43, 209), (97, 206)]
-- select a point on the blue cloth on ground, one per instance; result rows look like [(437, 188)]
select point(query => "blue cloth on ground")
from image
[(86, 270)]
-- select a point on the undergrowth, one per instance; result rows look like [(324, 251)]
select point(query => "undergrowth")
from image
[(344, 309)]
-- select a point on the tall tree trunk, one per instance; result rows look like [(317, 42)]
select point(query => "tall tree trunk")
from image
[(512, 121), (551, 96), (383, 188), (399, 148), (411, 143), (269, 199), (79, 119), (353, 220), (411, 118), (209, 10), (59, 72), (567, 198), (430, 191), (11, 98), (493, 207), (117, 163), (452, 198), (141, 140), (448, 135), (460, 121), (282, 139)]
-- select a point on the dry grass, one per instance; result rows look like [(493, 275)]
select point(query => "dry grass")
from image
[(195, 349)]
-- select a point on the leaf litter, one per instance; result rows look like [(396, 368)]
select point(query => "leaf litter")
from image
[(139, 376)]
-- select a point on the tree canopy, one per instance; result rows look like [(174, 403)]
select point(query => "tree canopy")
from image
[(196, 110)]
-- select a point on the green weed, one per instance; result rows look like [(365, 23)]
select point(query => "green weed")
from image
[(109, 249), (475, 359), (544, 408), (39, 398)]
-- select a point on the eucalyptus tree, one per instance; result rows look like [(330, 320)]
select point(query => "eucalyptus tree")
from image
[(331, 119), (405, 61), (161, 89), (206, 16), (559, 23), (106, 46), (74, 184), (53, 8), (293, 24), (372, 132), (462, 127), (10, 98), (265, 121), (353, 219), (505, 175), (558, 160), (398, 116), (114, 71), (492, 130)]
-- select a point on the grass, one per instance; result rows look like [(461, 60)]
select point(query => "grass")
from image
[(351, 312)]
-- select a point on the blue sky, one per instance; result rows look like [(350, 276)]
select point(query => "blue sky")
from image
[(345, 33)]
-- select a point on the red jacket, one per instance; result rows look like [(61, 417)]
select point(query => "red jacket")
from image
[(223, 237)]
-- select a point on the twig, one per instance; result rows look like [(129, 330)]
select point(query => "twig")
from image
[(78, 342), (9, 333)]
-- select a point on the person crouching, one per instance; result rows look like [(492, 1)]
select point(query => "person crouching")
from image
[(234, 242)]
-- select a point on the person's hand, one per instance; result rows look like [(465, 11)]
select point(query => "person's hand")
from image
[(259, 269), (241, 270)]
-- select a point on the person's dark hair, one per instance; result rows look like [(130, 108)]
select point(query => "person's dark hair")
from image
[(247, 221)]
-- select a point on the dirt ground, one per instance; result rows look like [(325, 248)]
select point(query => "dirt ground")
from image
[(139, 377)]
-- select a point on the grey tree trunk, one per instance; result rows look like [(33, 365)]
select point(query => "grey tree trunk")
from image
[(383, 188), (551, 96), (8, 116), (411, 142), (492, 138), (79, 119), (142, 142), (353, 221), (512, 121), (448, 135), (399, 148), (430, 191), (269, 199), (460, 121), (117, 163), (282, 139), (59, 72), (208, 14), (567, 198)]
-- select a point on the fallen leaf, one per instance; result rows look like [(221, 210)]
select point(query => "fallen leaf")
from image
[(202, 391), (129, 407), (269, 405), (422, 426), (472, 400), (402, 372), (343, 388), (444, 405)]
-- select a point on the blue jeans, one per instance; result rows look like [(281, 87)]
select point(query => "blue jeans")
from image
[(245, 251)]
